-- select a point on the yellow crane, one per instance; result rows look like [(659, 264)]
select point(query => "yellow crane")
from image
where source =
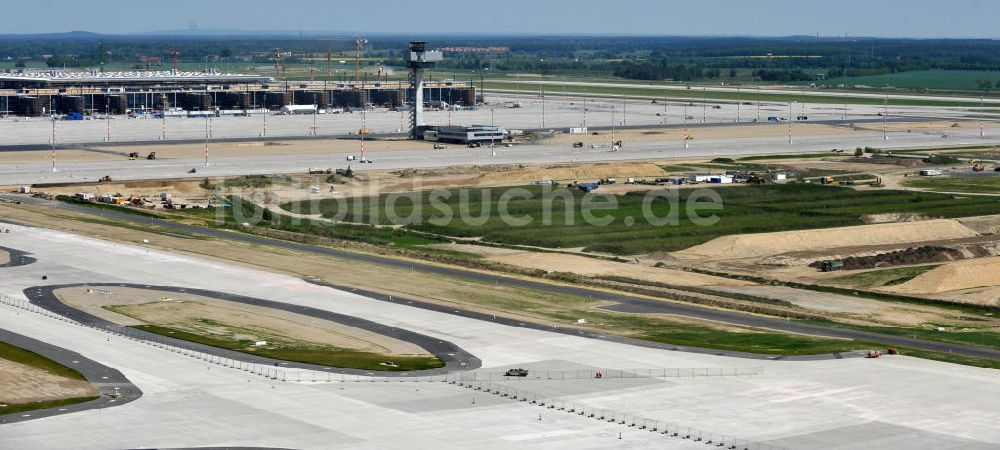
[(357, 58)]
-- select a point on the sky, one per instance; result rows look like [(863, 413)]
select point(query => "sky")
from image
[(879, 18)]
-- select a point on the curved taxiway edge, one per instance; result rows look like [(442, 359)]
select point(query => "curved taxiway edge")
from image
[(454, 357), (115, 389)]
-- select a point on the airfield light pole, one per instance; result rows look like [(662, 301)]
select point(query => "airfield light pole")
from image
[(364, 131), (885, 118), (206, 139), (107, 118), (982, 133), (585, 112), (541, 93), (739, 105), (53, 141), (163, 117), (665, 112), (315, 113), (704, 105), (493, 128), (845, 106), (686, 131), (758, 103), (263, 131), (789, 123), (612, 127), (624, 112), (564, 91)]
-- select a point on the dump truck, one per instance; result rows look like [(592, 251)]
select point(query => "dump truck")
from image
[(587, 187), (831, 265), (151, 156), (133, 156)]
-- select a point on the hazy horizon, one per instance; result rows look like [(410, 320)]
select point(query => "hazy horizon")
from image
[(920, 19)]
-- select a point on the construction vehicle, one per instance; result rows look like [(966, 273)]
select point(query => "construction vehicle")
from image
[(587, 187), (475, 145), (345, 172), (439, 147), (193, 170), (133, 156), (978, 167), (826, 180), (996, 168), (105, 179), (519, 372), (578, 145), (151, 156), (893, 351), (831, 265), (320, 171), (873, 354)]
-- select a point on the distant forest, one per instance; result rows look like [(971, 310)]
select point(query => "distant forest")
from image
[(788, 59)]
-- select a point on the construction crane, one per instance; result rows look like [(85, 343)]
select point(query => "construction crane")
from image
[(173, 52), (329, 61), (357, 58), (279, 65)]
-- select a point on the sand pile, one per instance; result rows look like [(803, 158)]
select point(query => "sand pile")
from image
[(767, 244), (590, 172), (955, 276)]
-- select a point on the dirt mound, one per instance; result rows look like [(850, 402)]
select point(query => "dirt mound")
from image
[(955, 276), (767, 244), (590, 172), (912, 255)]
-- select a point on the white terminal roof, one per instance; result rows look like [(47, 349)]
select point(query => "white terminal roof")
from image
[(105, 77)]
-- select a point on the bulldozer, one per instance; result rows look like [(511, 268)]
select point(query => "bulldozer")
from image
[(133, 156), (151, 156)]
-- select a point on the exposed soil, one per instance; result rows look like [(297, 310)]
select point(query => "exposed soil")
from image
[(20, 383), (768, 244), (205, 315), (4, 257), (582, 265), (912, 255)]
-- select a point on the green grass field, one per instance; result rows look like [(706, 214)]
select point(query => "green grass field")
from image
[(920, 79), (883, 277), (32, 359), (971, 185), (323, 356), (747, 209), (694, 94)]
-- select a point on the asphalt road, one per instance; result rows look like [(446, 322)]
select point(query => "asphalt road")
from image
[(624, 302), (17, 258), (455, 358), (104, 378)]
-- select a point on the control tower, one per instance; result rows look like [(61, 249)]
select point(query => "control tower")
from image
[(419, 59)]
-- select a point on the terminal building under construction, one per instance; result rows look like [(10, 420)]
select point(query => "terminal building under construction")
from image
[(39, 93)]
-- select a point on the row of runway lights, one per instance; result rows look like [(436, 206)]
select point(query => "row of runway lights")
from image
[(611, 416), (487, 386)]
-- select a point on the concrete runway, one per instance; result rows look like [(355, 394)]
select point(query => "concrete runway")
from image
[(891, 402), (422, 157)]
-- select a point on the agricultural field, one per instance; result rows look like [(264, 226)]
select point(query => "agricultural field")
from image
[(971, 185), (920, 79), (552, 221)]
